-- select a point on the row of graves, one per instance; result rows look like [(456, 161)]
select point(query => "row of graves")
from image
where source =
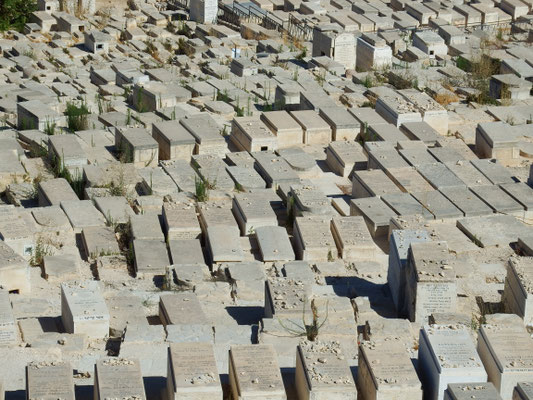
[(235, 215), (389, 358)]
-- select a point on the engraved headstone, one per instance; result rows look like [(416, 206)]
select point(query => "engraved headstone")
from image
[(49, 381), (507, 354), (118, 378), (322, 372), (254, 373), (192, 372), (83, 309), (446, 354)]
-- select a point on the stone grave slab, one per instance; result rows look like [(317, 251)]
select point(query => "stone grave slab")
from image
[(83, 309), (99, 241), (315, 129), (55, 191), (322, 372), (115, 209), (518, 290), (465, 171), (408, 179), (246, 178), (254, 373), (523, 194), (187, 252), (466, 201), (8, 326), (59, 268), (430, 281), (404, 204), (438, 204), (189, 333), (118, 378), (439, 176), (377, 214), (352, 238), (447, 355), (400, 242), (82, 214), (372, 183), (248, 282), (285, 298), (216, 214), (523, 391), (386, 371), (313, 238), (299, 271), (49, 380), (493, 230), (471, 390), (151, 257), (274, 169), (497, 199), (192, 372), (253, 210), (495, 172), (274, 243), (146, 227), (181, 221), (224, 244), (181, 309), (343, 157), (507, 354)]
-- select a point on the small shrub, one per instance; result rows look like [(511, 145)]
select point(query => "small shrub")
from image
[(201, 190), (41, 250), (310, 331), (77, 116)]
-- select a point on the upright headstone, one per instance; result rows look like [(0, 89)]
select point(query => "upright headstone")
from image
[(400, 241), (254, 373), (518, 290), (507, 353), (8, 327), (446, 354), (49, 380), (386, 372), (523, 391), (181, 309), (471, 390), (322, 372), (118, 378), (83, 309), (430, 281), (192, 372)]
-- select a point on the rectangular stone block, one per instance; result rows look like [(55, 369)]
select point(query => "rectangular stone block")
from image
[(192, 372), (118, 378), (313, 239), (274, 243), (8, 325), (507, 354), (181, 309), (352, 238), (83, 309), (49, 380), (518, 290), (254, 373), (323, 373), (430, 281), (376, 213), (386, 372), (447, 355), (400, 241), (471, 390)]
